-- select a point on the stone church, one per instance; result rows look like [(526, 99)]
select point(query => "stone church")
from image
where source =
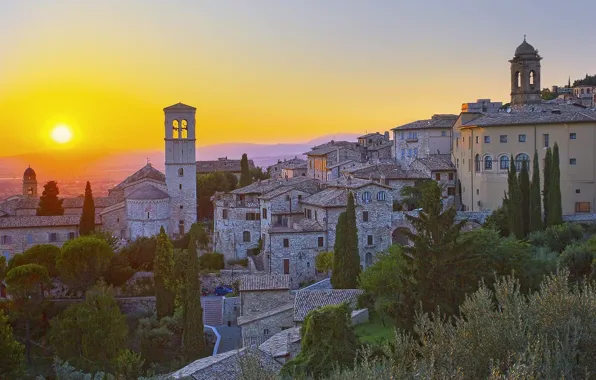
[(138, 206)]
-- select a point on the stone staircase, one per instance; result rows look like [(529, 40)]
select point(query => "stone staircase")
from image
[(212, 310)]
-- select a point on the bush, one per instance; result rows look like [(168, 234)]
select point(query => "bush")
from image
[(83, 261), (242, 262), (211, 261), (557, 237), (129, 365), (42, 254), (578, 258), (156, 339), (119, 271), (141, 253)]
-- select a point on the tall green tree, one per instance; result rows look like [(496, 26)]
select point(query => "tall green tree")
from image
[(90, 334), (555, 212), (26, 288), (346, 259), (524, 190), (547, 173), (535, 207), (163, 267), (435, 274), (87, 224), (11, 360), (83, 261), (193, 338), (245, 175), (514, 202), (49, 203)]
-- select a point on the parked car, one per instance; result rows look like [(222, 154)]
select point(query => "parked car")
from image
[(223, 290)]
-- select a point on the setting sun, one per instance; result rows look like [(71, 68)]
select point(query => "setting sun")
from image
[(61, 134)]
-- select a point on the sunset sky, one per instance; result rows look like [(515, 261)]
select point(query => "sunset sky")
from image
[(265, 70)]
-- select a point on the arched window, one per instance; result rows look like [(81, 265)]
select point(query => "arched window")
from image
[(477, 162), (246, 236), (184, 130), (366, 197), (181, 172), (532, 77), (519, 159), (488, 163), (381, 196), (175, 129), (582, 91), (517, 79), (504, 162), (30, 191)]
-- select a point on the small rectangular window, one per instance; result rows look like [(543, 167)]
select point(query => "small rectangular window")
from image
[(521, 138), (286, 243), (451, 191), (365, 216), (224, 214), (403, 154), (443, 133), (299, 196), (369, 240), (264, 213), (572, 161), (477, 139), (438, 176), (572, 136), (287, 197), (546, 140), (320, 241), (29, 238), (503, 139), (577, 191), (71, 236), (286, 266), (451, 176), (457, 142), (487, 139), (53, 237), (582, 206)]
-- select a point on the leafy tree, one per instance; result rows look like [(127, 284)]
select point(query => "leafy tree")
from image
[(90, 334), (498, 220), (257, 174), (547, 173), (579, 258), (514, 215), (201, 236), (42, 254), (328, 340), (163, 276), (211, 261), (49, 204), (555, 212), (193, 337), (129, 365), (412, 195), (437, 260), (557, 238), (83, 261), (524, 190), (207, 186), (384, 280), (546, 94), (11, 360), (589, 80), (26, 287), (535, 211), (324, 262), (245, 176), (112, 240), (346, 259), (119, 271), (87, 224), (141, 253)]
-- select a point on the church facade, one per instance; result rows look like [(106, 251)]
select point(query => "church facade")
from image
[(139, 206)]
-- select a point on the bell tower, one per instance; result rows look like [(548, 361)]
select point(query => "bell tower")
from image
[(30, 183), (181, 169), (525, 75)]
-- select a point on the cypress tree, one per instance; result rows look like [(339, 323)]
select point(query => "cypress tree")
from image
[(514, 202), (163, 265), (535, 208), (346, 259), (245, 177), (524, 189), (87, 224), (49, 203), (193, 338), (555, 213), (548, 158)]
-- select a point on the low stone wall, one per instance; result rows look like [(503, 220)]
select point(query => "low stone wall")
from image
[(231, 309), (360, 317), (138, 305)]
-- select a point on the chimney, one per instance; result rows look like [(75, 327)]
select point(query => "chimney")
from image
[(387, 135)]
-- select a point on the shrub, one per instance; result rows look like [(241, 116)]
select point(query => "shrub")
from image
[(141, 253), (578, 258), (83, 261), (557, 237), (129, 365), (211, 261), (324, 262), (242, 262), (119, 271), (156, 339)]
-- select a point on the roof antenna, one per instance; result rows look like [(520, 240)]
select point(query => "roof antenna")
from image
[(524, 38)]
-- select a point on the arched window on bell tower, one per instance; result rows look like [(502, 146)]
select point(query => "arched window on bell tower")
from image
[(518, 80), (184, 129), (175, 129), (532, 78)]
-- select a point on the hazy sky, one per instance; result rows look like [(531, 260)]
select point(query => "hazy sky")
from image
[(266, 70)]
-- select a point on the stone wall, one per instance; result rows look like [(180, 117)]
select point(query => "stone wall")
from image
[(257, 302), (137, 305), (258, 331), (228, 234), (25, 238), (300, 254), (210, 281), (231, 309), (360, 316)]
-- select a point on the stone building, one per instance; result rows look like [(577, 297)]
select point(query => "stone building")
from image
[(483, 144), (422, 138), (294, 170), (277, 170), (482, 105), (138, 206), (321, 157), (439, 168), (265, 307), (223, 165), (309, 300)]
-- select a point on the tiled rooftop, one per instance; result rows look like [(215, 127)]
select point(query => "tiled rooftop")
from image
[(437, 162), (331, 147), (41, 221), (544, 113), (308, 300), (352, 183), (221, 165), (268, 313), (146, 172), (331, 197), (265, 282), (148, 192), (277, 345), (389, 171), (437, 121)]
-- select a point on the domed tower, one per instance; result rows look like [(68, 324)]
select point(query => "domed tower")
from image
[(525, 75), (29, 183)]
